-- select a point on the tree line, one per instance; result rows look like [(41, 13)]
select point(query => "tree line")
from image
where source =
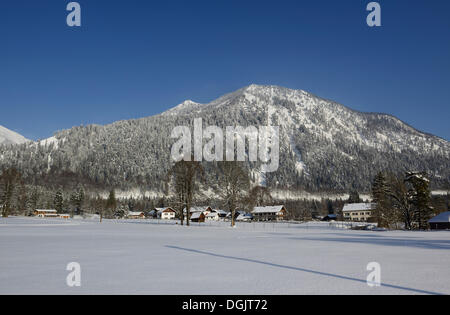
[(402, 202), (404, 199)]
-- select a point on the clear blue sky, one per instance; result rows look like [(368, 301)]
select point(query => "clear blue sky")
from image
[(136, 58)]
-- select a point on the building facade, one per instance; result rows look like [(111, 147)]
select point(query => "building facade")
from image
[(271, 213), (358, 212)]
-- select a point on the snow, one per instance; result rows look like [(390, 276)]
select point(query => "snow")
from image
[(269, 209), (10, 137), (184, 107), (358, 206), (440, 192), (196, 215), (254, 258), (284, 194), (135, 213), (199, 209)]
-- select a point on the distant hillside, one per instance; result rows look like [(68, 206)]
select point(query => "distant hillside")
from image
[(323, 145)]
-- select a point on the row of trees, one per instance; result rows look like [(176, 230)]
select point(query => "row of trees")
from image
[(405, 199), (402, 199), (234, 187)]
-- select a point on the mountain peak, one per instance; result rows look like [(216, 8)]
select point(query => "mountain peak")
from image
[(186, 106), (10, 137)]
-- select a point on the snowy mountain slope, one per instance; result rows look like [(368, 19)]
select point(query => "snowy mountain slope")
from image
[(10, 137), (323, 145)]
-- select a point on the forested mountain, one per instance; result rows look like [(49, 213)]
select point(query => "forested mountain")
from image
[(323, 145)]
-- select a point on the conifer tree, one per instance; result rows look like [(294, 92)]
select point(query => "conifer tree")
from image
[(111, 203), (382, 213), (58, 201), (420, 197), (354, 197)]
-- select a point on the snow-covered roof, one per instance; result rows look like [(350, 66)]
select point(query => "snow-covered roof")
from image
[(44, 210), (219, 211), (135, 213), (197, 209), (359, 206), (269, 209), (441, 218), (196, 215), (164, 209), (211, 214)]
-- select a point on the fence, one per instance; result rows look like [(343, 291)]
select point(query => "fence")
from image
[(255, 226)]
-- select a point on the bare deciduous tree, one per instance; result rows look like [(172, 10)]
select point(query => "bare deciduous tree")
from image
[(234, 186), (184, 176)]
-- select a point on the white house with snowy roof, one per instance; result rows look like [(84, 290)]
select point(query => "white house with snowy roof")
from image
[(220, 213), (165, 213), (212, 216), (270, 213), (360, 212)]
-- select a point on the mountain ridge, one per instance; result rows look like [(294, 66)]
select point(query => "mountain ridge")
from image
[(324, 145)]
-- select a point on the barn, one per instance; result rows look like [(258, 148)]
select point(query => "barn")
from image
[(440, 222)]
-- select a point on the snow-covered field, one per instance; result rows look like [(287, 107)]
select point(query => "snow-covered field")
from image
[(141, 257)]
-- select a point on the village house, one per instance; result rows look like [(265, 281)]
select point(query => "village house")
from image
[(270, 213), (440, 222), (222, 214), (244, 217), (212, 216), (237, 213), (136, 215), (359, 212), (165, 213), (42, 213), (198, 217), (203, 209), (216, 215)]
